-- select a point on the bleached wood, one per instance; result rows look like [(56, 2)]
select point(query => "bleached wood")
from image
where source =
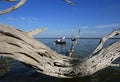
[(19, 45), (36, 31), (13, 7), (104, 39), (115, 65)]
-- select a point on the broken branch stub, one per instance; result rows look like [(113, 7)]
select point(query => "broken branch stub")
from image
[(36, 31)]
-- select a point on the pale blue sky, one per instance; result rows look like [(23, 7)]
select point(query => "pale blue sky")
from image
[(95, 18)]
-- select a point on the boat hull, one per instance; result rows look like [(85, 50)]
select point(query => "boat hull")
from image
[(56, 42)]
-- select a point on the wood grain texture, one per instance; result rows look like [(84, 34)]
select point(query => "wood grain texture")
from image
[(20, 46)]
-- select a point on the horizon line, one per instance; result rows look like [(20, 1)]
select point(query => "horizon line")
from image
[(70, 38)]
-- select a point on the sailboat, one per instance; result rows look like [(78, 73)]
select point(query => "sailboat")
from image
[(60, 41)]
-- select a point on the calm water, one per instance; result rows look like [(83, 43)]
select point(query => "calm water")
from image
[(18, 72)]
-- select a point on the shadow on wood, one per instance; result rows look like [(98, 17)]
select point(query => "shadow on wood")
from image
[(20, 46)]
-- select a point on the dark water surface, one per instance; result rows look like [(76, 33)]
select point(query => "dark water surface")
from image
[(18, 72)]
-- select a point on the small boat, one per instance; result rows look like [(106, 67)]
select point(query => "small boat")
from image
[(60, 41)]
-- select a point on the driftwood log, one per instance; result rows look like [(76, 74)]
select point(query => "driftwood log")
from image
[(13, 7), (74, 42), (21, 46)]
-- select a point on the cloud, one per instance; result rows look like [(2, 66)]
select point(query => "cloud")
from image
[(22, 18), (88, 31), (108, 26), (84, 26), (92, 33), (12, 18)]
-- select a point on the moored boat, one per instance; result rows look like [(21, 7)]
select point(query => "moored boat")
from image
[(60, 41)]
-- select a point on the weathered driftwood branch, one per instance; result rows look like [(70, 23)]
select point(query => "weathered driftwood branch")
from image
[(115, 65), (74, 42), (9, 0), (36, 31), (103, 40), (20, 46), (13, 7), (70, 2)]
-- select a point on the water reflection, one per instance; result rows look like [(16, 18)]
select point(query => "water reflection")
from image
[(3, 66), (61, 48)]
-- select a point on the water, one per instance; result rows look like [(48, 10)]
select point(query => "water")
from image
[(83, 48), (18, 72)]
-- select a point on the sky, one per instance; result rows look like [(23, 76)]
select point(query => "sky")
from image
[(95, 18)]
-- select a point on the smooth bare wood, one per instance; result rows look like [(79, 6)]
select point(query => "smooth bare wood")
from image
[(36, 31), (19, 45), (74, 39), (69, 2), (104, 39), (13, 7), (9, 0)]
